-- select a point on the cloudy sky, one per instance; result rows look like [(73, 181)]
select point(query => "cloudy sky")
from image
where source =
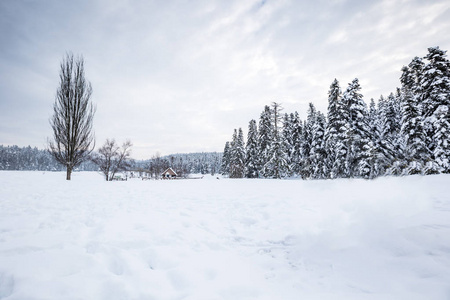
[(179, 76)]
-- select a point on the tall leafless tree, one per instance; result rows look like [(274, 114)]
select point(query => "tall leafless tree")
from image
[(111, 158), (73, 114)]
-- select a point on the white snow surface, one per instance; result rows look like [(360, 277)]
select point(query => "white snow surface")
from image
[(223, 239)]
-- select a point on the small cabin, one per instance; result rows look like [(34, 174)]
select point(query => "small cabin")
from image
[(169, 174)]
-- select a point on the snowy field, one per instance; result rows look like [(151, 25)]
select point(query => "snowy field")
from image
[(223, 239)]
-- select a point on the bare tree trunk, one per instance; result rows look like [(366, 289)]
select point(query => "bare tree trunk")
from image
[(68, 173)]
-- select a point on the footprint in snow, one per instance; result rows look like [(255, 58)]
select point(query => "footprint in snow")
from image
[(178, 280), (115, 266), (6, 285)]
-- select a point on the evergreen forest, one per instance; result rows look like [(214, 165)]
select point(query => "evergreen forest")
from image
[(405, 133)]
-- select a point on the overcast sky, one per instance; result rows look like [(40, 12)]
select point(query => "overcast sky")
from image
[(179, 76)]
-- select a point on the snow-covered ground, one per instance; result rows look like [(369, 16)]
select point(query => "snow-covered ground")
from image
[(223, 239)]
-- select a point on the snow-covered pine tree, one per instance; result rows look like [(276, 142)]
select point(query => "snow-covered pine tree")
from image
[(288, 140), (318, 152), (393, 115), (435, 81), (400, 144), (334, 126), (412, 125), (374, 139), (241, 152), (233, 154), (398, 108), (252, 151), (392, 124), (384, 154), (307, 168), (390, 137), (417, 69), (435, 98), (441, 138), (265, 136), (277, 165), (297, 132), (225, 167), (372, 116), (237, 155), (359, 142)]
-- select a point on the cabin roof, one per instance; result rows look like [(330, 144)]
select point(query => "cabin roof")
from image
[(169, 171)]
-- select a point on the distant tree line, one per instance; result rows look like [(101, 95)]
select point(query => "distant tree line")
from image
[(184, 164), (34, 159), (406, 133)]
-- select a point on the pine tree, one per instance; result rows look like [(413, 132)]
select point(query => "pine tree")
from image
[(225, 167), (297, 132), (288, 140), (416, 69), (265, 137), (237, 155), (318, 152), (400, 163), (307, 168), (382, 145), (435, 81), (441, 137), (233, 147), (277, 165), (358, 139), (241, 153), (435, 98), (374, 133), (252, 151), (390, 146), (412, 126), (372, 116), (334, 127)]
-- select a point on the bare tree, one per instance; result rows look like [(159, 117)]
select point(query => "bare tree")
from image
[(156, 165), (112, 159), (73, 114)]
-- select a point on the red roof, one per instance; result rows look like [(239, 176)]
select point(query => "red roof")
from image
[(170, 172)]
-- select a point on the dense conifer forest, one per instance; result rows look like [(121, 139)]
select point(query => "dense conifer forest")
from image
[(405, 133)]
